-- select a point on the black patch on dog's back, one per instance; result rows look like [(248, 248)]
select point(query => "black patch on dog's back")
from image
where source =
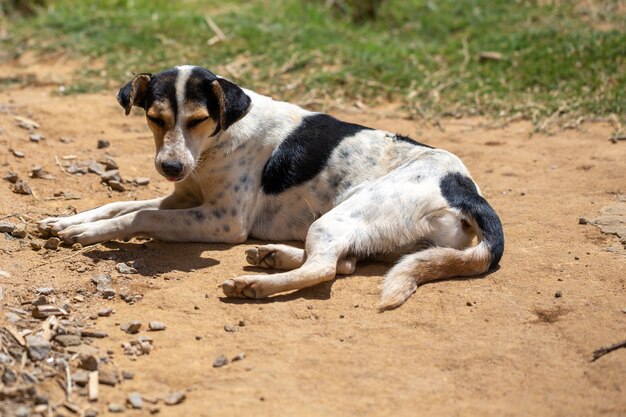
[(461, 193), (305, 152), (412, 141)]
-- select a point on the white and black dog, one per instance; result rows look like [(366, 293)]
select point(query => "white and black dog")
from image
[(244, 165)]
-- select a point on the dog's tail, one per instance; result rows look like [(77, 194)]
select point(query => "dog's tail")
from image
[(442, 262)]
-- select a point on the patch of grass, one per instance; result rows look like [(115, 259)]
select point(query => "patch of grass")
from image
[(566, 57)]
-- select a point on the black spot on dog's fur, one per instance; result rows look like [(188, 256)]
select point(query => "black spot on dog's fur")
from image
[(412, 141), (305, 152), (461, 193), (198, 215)]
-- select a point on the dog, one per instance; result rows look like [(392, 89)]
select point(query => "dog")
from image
[(246, 166)]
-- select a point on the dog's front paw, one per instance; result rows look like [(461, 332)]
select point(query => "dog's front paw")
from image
[(261, 257), (87, 233), (242, 287)]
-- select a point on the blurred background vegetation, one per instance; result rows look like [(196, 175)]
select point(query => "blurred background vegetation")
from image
[(509, 58)]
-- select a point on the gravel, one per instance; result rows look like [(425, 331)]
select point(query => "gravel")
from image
[(38, 348), (220, 361)]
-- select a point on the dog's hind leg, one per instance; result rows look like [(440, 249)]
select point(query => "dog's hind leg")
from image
[(276, 256)]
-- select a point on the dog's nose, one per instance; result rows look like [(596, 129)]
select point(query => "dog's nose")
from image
[(172, 168)]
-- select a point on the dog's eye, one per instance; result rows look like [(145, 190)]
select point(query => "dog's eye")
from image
[(195, 122), (157, 121)]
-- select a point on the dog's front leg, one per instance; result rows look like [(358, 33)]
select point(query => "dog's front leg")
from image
[(199, 224)]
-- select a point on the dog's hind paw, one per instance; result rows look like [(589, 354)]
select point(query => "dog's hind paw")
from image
[(261, 257)]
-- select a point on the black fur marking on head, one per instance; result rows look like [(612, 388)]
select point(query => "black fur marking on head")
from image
[(412, 141), (305, 152), (199, 89), (461, 194), (163, 88)]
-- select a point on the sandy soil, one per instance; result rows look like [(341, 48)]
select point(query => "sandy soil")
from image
[(501, 345)]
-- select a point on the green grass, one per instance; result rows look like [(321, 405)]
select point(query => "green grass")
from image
[(565, 59)]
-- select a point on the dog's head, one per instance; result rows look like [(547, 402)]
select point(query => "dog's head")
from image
[(186, 107)]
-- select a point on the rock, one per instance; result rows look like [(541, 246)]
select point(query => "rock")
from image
[(109, 163), (127, 375), (93, 334), (558, 294), (135, 401), (108, 377), (11, 176), (116, 408), (91, 412), (81, 378), (6, 227), (582, 220), (229, 328), (153, 409), (111, 175), (88, 362), (19, 231), (116, 186), (156, 326), (76, 170), (26, 123), (103, 285), (142, 181), (38, 348), (242, 323), (22, 187), (52, 243), (41, 300), (77, 246), (17, 154), (238, 357), (68, 340), (122, 268), (105, 312), (47, 310), (12, 317), (35, 245), (96, 168), (65, 139), (174, 398), (38, 172), (108, 293), (131, 327), (220, 361), (103, 143), (36, 137)]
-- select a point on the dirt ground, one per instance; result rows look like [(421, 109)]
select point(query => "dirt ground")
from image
[(500, 345)]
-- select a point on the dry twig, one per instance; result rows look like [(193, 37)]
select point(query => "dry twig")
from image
[(597, 354)]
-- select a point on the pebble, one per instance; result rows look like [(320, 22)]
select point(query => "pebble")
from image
[(230, 329), (174, 398), (6, 227), (101, 281), (78, 246), (22, 187), (558, 294), (116, 186), (109, 163), (242, 323), (96, 168), (122, 268), (65, 139), (131, 327), (108, 293), (81, 378), (17, 154), (103, 143), (127, 375), (238, 357), (38, 348), (91, 413), (116, 408), (142, 180), (52, 243), (26, 123), (156, 326), (36, 137), (19, 231), (12, 177), (107, 377), (582, 220), (44, 290), (135, 401), (88, 362), (41, 300), (220, 361), (35, 245), (68, 340), (111, 175), (105, 312)]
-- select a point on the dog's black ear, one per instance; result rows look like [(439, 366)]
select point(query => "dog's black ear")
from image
[(234, 103), (134, 92)]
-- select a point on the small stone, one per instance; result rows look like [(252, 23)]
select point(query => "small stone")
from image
[(558, 294), (26, 123), (65, 139), (142, 181), (105, 312), (38, 348), (127, 375), (135, 401), (6, 227), (116, 408), (76, 170), (582, 220), (81, 378), (35, 245), (41, 300), (96, 168), (52, 243), (154, 409), (156, 326), (36, 137), (111, 175), (108, 377), (242, 323), (469, 303), (230, 329), (91, 413), (220, 361), (198, 337), (131, 327), (22, 187), (88, 362), (17, 154), (19, 231), (122, 268), (68, 340), (117, 186), (109, 163), (102, 281), (103, 143), (77, 246), (38, 172), (238, 357), (12, 177), (108, 293), (174, 398)]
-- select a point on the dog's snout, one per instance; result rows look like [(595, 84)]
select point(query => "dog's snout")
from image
[(172, 168)]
